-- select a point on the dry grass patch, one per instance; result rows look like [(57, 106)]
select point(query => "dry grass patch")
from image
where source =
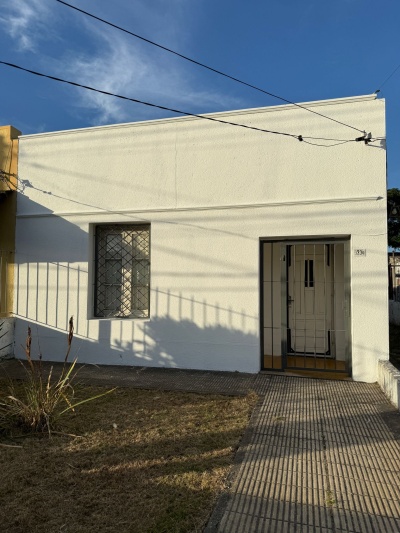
[(146, 461)]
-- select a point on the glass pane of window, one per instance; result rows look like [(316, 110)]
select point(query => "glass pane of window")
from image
[(140, 298), (311, 274), (140, 246), (112, 297), (113, 245), (113, 272), (306, 273), (141, 273)]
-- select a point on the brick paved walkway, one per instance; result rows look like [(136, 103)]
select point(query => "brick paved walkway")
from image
[(319, 456)]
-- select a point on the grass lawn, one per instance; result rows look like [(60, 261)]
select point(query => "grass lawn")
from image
[(145, 461), (394, 343)]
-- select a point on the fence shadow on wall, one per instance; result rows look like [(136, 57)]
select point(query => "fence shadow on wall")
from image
[(177, 322)]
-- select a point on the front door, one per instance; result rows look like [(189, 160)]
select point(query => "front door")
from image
[(310, 296)]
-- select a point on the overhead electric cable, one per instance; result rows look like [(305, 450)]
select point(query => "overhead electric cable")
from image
[(325, 145), (205, 66), (205, 117), (388, 78)]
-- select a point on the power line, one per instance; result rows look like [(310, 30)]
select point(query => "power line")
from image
[(206, 66), (143, 102), (205, 117), (326, 145), (388, 78)]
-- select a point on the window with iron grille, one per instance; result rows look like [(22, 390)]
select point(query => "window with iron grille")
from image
[(122, 271)]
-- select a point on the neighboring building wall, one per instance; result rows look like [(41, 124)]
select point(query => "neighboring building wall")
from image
[(8, 204), (394, 312), (210, 192), (394, 276)]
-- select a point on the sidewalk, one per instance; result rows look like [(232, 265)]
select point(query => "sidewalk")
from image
[(320, 456), (323, 456)]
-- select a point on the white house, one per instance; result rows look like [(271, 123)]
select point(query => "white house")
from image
[(191, 244)]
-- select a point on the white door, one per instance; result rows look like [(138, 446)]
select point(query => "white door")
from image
[(310, 291)]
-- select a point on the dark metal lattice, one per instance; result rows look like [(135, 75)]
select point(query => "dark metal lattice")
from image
[(122, 271)]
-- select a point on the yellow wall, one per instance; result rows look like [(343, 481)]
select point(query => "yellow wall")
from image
[(8, 205)]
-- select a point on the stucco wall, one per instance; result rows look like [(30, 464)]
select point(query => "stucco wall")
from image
[(210, 193)]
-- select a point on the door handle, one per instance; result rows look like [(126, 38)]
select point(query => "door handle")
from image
[(290, 300)]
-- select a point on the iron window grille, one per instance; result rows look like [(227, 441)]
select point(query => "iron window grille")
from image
[(122, 271)]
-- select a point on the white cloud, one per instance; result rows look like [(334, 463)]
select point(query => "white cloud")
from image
[(121, 66), (115, 69), (115, 62), (26, 22)]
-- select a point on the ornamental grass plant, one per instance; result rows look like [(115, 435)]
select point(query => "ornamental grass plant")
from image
[(38, 402)]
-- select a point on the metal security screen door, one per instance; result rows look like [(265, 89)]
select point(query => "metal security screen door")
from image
[(310, 299), (305, 302)]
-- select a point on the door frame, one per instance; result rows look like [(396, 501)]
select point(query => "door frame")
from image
[(286, 241)]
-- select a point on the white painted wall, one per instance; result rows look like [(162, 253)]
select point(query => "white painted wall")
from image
[(210, 193)]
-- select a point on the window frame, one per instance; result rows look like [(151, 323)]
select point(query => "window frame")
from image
[(98, 285)]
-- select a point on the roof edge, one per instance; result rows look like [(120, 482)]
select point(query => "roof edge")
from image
[(282, 107)]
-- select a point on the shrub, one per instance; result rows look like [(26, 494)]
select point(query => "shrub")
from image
[(38, 403)]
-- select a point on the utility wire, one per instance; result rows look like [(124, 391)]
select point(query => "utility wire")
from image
[(325, 145), (298, 137), (206, 66), (388, 78)]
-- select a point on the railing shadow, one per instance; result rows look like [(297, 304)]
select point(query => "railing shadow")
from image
[(183, 332)]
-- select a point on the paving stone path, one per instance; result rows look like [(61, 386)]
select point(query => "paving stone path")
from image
[(320, 458)]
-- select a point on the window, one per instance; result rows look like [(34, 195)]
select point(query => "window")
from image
[(309, 273), (122, 271)]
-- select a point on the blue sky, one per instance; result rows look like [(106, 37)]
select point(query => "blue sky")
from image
[(308, 50)]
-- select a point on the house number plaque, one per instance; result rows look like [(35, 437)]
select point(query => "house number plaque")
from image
[(360, 252)]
